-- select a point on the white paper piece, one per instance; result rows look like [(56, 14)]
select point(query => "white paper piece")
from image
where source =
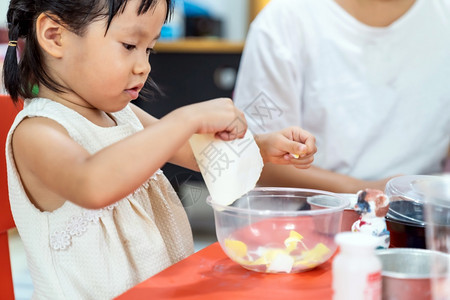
[(230, 169)]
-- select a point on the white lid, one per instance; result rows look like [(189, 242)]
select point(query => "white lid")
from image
[(407, 195), (408, 187), (357, 240)]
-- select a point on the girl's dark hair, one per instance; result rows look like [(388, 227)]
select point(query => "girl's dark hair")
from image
[(21, 76)]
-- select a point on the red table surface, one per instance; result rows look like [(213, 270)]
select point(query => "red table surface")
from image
[(210, 274)]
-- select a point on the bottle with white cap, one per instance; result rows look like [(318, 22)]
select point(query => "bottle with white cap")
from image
[(356, 269)]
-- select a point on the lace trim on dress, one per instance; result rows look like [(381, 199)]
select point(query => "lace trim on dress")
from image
[(77, 225)]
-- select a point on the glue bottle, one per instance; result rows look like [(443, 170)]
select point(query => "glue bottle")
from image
[(356, 269)]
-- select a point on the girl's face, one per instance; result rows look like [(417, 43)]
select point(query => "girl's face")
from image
[(108, 71)]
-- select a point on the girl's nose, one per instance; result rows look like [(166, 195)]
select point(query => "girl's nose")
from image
[(142, 65)]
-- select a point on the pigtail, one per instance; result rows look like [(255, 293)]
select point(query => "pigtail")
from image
[(20, 18), (11, 69)]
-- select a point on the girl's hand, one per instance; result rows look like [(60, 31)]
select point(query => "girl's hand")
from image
[(291, 145), (220, 117)]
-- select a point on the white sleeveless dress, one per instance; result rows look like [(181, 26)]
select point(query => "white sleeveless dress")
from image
[(76, 253)]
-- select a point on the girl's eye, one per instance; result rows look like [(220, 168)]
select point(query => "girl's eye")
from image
[(128, 46)]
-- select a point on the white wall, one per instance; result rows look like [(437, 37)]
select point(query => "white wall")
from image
[(4, 4)]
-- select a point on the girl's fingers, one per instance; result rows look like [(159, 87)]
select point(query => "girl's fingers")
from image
[(302, 143), (287, 159), (224, 136)]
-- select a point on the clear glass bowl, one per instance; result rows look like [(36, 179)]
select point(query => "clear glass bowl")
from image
[(280, 230)]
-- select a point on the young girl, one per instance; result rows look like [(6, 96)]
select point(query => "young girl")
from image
[(95, 213)]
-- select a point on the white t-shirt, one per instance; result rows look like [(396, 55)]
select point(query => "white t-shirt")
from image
[(377, 99)]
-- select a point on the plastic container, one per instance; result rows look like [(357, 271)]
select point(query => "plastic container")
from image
[(349, 216), (405, 219), (356, 269), (437, 216), (280, 230)]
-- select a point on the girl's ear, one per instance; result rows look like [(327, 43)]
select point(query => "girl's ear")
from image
[(49, 35)]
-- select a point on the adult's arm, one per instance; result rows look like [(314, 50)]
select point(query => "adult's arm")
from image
[(315, 178)]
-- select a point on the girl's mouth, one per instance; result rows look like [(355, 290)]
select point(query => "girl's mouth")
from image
[(133, 92)]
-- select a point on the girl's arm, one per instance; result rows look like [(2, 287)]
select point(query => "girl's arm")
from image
[(54, 168), (275, 147), (291, 145), (184, 156)]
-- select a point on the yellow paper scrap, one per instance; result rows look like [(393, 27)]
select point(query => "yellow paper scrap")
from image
[(278, 259)]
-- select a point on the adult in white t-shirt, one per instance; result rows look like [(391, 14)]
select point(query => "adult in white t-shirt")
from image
[(370, 79)]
